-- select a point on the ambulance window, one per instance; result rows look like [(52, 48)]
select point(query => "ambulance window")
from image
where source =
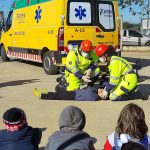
[(79, 13), (106, 15), (9, 20)]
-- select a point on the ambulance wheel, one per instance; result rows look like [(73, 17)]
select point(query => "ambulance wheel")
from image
[(48, 64), (3, 54)]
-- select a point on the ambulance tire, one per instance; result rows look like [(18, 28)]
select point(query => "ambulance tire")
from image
[(3, 54), (48, 64)]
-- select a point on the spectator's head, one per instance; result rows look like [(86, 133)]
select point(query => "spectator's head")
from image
[(14, 119), (132, 146), (72, 119), (132, 121)]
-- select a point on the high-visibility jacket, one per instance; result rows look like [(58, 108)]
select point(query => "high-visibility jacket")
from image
[(114, 142), (118, 67), (122, 78), (75, 63)]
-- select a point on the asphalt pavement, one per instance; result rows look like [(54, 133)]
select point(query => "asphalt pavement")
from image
[(19, 78)]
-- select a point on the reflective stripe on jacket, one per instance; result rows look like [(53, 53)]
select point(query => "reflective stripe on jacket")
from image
[(118, 67), (75, 62)]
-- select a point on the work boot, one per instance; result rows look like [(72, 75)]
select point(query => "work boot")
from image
[(37, 93), (61, 87), (139, 92), (136, 94)]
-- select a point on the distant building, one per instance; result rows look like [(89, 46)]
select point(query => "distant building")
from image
[(145, 26)]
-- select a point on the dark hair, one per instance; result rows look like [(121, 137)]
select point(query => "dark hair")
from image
[(110, 51), (132, 121), (132, 146), (14, 119), (13, 115)]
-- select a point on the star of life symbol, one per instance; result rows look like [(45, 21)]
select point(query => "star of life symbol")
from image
[(80, 12), (38, 14)]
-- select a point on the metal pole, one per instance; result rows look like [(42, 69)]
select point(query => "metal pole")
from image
[(141, 27), (148, 9), (121, 32)]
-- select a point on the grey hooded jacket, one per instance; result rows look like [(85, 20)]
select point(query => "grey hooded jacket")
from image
[(70, 137)]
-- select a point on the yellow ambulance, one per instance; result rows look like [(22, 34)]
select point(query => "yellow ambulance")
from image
[(41, 30), (1, 23)]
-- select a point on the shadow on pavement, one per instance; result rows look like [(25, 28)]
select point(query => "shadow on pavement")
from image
[(31, 63), (145, 89), (24, 61), (1, 97), (143, 78), (42, 148), (18, 82), (43, 129), (139, 61)]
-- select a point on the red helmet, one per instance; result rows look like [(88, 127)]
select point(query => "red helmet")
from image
[(86, 45), (101, 49)]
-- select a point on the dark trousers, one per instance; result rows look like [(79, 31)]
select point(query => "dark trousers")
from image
[(61, 95)]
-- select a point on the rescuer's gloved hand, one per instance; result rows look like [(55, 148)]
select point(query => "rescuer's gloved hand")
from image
[(104, 94), (88, 72), (86, 79)]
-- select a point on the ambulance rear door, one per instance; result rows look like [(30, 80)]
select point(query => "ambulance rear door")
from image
[(79, 23), (94, 20), (105, 21)]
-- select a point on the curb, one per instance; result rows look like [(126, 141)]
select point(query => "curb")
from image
[(136, 49)]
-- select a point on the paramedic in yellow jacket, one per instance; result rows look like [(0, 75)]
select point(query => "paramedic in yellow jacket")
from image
[(80, 66), (122, 79)]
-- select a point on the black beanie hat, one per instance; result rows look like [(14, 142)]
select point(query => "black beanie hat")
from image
[(14, 119)]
